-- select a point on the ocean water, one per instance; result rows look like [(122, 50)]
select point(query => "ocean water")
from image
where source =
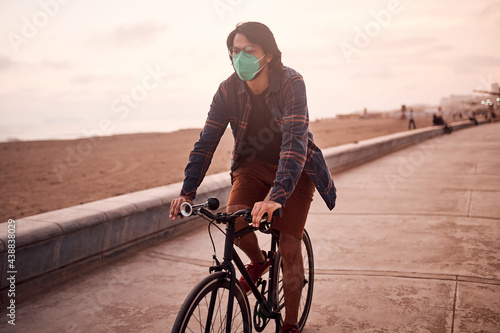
[(76, 130)]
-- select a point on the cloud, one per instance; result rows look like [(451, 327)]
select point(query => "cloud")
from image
[(95, 79), (418, 51), (475, 62), (416, 47), (491, 10), (394, 58), (405, 43), (54, 65), (131, 36), (433, 50), (6, 63), (379, 71), (480, 60), (85, 79)]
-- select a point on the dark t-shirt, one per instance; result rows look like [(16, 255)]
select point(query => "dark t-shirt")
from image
[(263, 136)]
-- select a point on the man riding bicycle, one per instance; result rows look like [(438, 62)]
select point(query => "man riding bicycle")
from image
[(265, 103)]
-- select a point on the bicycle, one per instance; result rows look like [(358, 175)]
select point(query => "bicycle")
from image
[(219, 303)]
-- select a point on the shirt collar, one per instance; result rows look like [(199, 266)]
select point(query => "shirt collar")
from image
[(274, 84)]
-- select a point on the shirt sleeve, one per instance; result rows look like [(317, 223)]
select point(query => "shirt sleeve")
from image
[(294, 130), (203, 151)]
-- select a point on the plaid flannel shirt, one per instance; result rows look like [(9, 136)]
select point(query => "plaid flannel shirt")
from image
[(286, 99)]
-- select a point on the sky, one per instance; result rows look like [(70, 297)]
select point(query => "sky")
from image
[(128, 63)]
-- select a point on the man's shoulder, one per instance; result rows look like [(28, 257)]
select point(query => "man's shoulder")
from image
[(284, 79), (289, 72)]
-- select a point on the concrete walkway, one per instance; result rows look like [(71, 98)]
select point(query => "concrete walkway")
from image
[(413, 246)]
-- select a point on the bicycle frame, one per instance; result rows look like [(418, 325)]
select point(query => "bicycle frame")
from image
[(230, 256), (222, 280)]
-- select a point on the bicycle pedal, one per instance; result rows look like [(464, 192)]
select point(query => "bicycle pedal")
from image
[(261, 317)]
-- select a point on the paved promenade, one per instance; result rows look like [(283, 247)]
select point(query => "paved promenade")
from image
[(413, 246)]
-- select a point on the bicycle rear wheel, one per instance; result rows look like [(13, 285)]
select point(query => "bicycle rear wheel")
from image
[(307, 290), (205, 309)]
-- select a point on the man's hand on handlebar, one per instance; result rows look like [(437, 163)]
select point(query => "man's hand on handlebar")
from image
[(262, 207), (175, 205)]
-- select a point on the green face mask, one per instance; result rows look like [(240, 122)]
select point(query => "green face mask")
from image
[(247, 65)]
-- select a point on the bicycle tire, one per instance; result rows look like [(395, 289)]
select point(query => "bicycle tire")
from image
[(307, 291), (194, 312)]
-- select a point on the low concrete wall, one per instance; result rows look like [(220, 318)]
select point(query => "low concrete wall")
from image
[(57, 245), (347, 156)]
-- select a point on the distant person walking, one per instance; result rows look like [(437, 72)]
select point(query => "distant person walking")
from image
[(412, 121)]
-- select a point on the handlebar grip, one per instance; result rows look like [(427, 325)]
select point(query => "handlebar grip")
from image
[(265, 225), (186, 209), (277, 213)]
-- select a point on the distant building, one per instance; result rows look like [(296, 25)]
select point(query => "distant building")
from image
[(495, 88), (456, 104)]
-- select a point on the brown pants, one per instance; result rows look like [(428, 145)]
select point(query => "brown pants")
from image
[(252, 182)]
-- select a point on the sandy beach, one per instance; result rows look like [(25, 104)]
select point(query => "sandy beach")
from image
[(40, 176)]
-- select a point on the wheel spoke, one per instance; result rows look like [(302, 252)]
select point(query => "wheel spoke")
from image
[(206, 307), (306, 294), (211, 296)]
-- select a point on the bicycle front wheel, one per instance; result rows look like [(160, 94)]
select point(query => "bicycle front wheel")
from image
[(205, 309), (307, 290)]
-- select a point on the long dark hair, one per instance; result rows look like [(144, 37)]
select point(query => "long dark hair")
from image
[(259, 34)]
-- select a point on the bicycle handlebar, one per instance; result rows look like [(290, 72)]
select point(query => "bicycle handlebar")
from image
[(187, 210)]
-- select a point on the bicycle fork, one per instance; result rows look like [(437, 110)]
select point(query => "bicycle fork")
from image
[(230, 256), (227, 265)]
